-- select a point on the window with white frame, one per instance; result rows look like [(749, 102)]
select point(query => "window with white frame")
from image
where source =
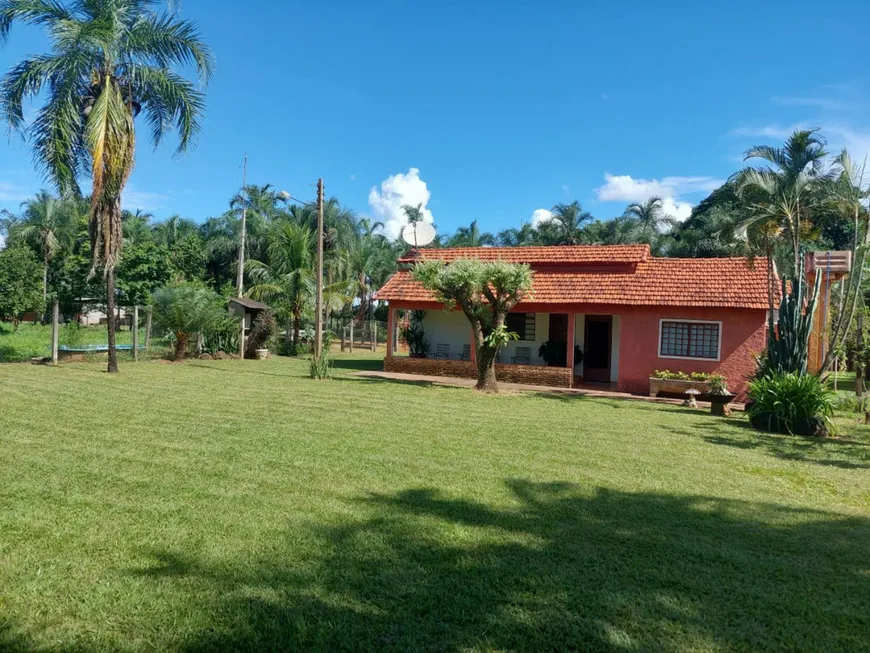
[(689, 339)]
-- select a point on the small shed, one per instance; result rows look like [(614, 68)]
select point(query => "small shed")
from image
[(249, 308)]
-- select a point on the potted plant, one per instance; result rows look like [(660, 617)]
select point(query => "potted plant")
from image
[(555, 354), (719, 396), (414, 335), (263, 331), (678, 382)]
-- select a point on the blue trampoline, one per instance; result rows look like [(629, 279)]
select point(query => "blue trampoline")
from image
[(90, 349)]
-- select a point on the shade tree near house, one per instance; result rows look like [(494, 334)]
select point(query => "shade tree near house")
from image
[(485, 291)]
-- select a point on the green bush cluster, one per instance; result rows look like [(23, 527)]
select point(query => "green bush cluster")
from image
[(791, 403)]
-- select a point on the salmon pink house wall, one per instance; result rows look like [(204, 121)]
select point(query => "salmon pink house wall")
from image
[(743, 334), (617, 313)]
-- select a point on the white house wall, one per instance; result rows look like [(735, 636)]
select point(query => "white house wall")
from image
[(447, 327), (452, 328), (542, 334)]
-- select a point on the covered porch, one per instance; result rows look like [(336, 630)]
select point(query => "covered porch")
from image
[(556, 347)]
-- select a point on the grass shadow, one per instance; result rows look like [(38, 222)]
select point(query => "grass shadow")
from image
[(562, 568), (359, 364), (845, 454)]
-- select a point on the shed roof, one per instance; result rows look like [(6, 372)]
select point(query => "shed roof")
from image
[(248, 303), (712, 282)]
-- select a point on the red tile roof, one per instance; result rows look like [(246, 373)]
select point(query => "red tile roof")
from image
[(712, 282), (554, 255)]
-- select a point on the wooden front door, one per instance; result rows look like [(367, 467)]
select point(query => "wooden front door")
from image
[(596, 358)]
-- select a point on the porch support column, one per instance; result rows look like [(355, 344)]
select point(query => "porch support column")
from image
[(571, 346), (391, 330), (473, 347)]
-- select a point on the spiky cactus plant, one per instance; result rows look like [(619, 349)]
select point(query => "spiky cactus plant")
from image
[(788, 343)]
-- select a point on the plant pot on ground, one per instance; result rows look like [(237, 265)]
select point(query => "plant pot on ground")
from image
[(719, 396)]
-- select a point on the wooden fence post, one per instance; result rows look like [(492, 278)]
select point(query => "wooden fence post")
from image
[(148, 328), (136, 333), (55, 327)]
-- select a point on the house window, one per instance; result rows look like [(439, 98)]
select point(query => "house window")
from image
[(523, 324), (689, 339)]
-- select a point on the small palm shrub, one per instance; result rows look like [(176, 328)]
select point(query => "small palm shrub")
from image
[(184, 310), (798, 404), (320, 367)]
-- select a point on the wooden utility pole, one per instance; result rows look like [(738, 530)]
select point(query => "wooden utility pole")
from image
[(318, 300), (240, 274), (240, 277), (136, 333), (55, 327)]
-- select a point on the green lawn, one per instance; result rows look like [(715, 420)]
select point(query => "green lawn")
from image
[(34, 340), (237, 505)]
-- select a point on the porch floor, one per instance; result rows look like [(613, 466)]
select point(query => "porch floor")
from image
[(588, 389)]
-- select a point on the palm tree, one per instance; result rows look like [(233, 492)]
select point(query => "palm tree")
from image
[(136, 227), (46, 225), (288, 278), (783, 190), (517, 237), (568, 221), (413, 213), (110, 60), (650, 218), (471, 236)]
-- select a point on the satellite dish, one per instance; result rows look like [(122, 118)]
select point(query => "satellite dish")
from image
[(418, 234)]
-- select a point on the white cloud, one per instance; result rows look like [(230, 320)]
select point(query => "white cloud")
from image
[(2, 241), (397, 191), (625, 188), (133, 199), (541, 215)]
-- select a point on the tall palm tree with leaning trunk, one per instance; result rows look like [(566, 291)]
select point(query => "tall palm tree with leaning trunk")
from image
[(110, 61)]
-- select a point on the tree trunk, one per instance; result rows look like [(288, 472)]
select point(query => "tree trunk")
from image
[(180, 346), (288, 333), (486, 381), (111, 320), (860, 357), (297, 327), (44, 289)]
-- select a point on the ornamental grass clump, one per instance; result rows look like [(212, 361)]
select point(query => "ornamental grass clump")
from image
[(791, 403)]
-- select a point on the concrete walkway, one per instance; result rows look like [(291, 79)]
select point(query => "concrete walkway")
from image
[(522, 387)]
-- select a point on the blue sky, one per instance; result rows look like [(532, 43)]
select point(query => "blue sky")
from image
[(493, 110)]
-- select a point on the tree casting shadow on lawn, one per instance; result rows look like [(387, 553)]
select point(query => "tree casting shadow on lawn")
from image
[(567, 569)]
